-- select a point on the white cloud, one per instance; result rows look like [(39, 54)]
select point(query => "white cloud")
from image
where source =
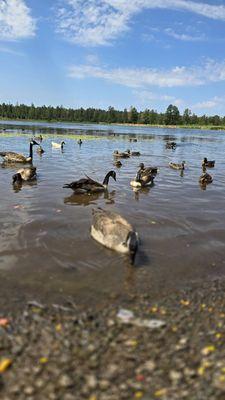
[(15, 20), (98, 22), (210, 71), (184, 36), (208, 104)]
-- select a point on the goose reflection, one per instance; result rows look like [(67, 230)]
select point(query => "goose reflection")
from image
[(141, 191), (87, 199)]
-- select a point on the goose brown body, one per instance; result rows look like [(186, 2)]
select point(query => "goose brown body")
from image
[(114, 232), (12, 157), (177, 166), (25, 174)]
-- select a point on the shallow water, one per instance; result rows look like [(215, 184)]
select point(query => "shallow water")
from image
[(45, 249)]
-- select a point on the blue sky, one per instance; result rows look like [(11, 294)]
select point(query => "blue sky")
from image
[(97, 53)]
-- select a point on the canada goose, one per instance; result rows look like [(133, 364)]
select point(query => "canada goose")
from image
[(88, 185), (208, 164), (143, 179), (118, 154), (79, 142), (205, 178), (114, 232), (133, 153), (11, 157), (25, 174), (171, 145), (133, 140), (58, 145), (118, 164), (177, 166), (40, 150), (143, 169)]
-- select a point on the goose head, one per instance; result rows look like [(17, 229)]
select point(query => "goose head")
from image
[(132, 245), (16, 178), (142, 166), (111, 174), (34, 143)]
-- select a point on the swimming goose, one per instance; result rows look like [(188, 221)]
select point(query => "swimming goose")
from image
[(208, 164), (118, 154), (205, 178), (88, 185), (118, 164), (133, 153), (11, 157), (171, 145), (25, 174), (177, 166), (58, 145), (143, 179), (114, 232), (40, 150), (143, 169)]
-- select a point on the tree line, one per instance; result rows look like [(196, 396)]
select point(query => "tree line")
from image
[(172, 115)]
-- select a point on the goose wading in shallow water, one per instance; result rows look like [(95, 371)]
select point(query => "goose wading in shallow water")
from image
[(24, 174), (114, 232), (205, 178), (208, 164), (11, 157), (79, 142), (171, 145), (177, 166), (58, 145), (88, 185)]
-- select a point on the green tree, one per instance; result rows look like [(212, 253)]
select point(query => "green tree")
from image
[(172, 116)]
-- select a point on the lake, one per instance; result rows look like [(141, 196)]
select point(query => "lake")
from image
[(46, 251)]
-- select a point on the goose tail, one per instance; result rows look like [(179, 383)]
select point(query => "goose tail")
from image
[(67, 186)]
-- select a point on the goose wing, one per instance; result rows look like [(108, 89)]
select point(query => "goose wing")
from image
[(87, 184)]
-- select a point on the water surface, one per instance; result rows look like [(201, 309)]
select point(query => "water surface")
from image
[(46, 251)]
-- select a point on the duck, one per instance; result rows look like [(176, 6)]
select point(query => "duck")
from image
[(143, 169), (171, 145), (177, 166), (117, 164), (40, 150), (118, 154), (208, 164), (58, 145), (11, 157), (88, 185), (143, 179), (133, 153), (205, 178), (25, 174), (79, 142), (114, 232)]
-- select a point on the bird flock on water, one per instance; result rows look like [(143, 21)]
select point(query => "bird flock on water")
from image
[(108, 228)]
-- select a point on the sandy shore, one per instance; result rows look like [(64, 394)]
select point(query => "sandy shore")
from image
[(61, 352)]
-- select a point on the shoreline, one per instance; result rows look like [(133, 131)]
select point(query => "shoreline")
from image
[(63, 352), (194, 127)]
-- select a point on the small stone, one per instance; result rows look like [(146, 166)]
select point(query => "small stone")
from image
[(104, 384), (29, 390), (65, 381), (91, 381), (175, 376)]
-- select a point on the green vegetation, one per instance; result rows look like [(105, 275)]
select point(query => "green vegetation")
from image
[(171, 117)]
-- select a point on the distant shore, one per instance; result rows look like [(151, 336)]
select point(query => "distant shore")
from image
[(197, 127)]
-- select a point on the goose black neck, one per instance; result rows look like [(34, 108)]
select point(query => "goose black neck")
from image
[(31, 150), (106, 180)]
